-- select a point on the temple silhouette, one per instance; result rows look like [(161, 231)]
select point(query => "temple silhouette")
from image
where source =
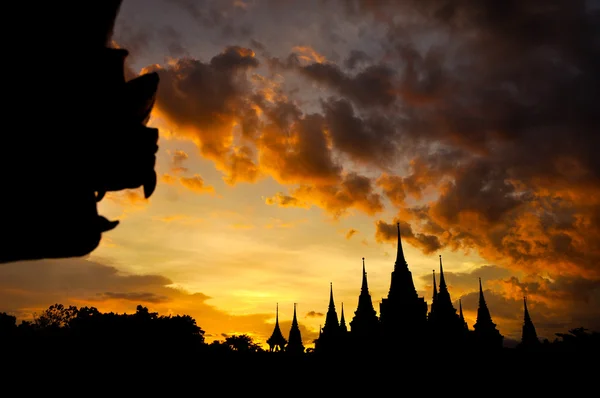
[(406, 323)]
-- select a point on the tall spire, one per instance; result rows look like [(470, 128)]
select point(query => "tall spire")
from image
[(462, 318), (295, 337), (400, 260), (276, 342), (529, 336), (331, 319), (442, 279), (481, 298), (331, 302), (365, 286), (364, 325), (402, 306), (343, 326), (329, 340), (484, 327), (483, 312), (445, 311)]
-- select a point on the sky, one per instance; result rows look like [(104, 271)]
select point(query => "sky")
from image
[(295, 134)]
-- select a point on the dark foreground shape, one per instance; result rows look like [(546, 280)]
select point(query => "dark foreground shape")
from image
[(76, 130)]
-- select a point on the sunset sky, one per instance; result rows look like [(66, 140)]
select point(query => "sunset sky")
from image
[(295, 134)]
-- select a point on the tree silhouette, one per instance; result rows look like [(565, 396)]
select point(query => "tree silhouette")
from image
[(242, 343), (56, 316)]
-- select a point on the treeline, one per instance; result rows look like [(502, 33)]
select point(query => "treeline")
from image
[(90, 333)]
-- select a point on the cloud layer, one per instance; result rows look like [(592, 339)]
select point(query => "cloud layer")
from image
[(27, 288)]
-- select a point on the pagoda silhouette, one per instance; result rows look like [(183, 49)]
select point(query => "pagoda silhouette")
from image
[(529, 338), (365, 327), (404, 324), (485, 332), (403, 314), (446, 326), (295, 345), (276, 342)]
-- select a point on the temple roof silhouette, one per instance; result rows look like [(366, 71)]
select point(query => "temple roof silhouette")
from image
[(484, 327), (529, 335), (343, 326), (295, 337), (331, 319), (277, 342), (403, 314), (365, 319)]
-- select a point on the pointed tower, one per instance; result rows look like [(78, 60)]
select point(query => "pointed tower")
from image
[(444, 303), (331, 319), (295, 345), (276, 342), (431, 315), (445, 325), (364, 326), (329, 340), (462, 318), (343, 327), (403, 314), (486, 334), (529, 337)]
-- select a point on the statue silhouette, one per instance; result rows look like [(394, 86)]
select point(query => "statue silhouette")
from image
[(84, 131)]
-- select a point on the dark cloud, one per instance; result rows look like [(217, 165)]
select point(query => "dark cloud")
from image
[(351, 232), (366, 140), (389, 233), (138, 297), (356, 58), (314, 314), (373, 86), (516, 101), (460, 282), (208, 13)]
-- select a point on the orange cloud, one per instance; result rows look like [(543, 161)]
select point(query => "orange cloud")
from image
[(307, 53), (179, 158), (196, 184), (168, 179), (128, 197), (283, 200), (351, 232), (389, 233), (353, 191), (204, 102)]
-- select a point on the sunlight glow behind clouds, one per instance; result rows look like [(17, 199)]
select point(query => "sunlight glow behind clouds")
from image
[(417, 107)]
